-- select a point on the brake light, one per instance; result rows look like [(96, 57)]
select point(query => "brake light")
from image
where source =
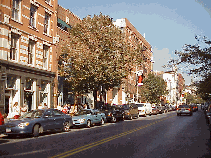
[(189, 109)]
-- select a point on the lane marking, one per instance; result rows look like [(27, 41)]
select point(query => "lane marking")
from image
[(105, 140)]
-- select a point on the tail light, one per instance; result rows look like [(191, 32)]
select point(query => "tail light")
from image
[(189, 109)]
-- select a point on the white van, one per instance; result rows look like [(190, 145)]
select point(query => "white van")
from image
[(144, 109)]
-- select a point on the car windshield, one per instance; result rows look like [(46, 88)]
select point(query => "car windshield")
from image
[(183, 106), (33, 114), (140, 105), (125, 106), (83, 112)]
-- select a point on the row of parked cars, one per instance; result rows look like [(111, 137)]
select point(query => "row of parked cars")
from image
[(207, 111), (38, 121)]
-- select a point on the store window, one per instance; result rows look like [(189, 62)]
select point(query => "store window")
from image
[(47, 23), (33, 11), (31, 51), (16, 11), (14, 47), (45, 56), (28, 84)]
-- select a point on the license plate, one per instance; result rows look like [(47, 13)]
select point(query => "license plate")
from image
[(8, 130), (183, 109)]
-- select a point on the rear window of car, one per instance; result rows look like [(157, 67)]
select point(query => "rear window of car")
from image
[(140, 105), (183, 106)]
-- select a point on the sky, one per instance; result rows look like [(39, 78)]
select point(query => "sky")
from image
[(167, 24)]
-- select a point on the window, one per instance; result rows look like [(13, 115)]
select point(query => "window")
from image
[(31, 51), (16, 10), (46, 23), (33, 16), (14, 47), (45, 56), (48, 1)]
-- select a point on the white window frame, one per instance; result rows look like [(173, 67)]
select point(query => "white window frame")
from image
[(48, 1), (31, 52), (45, 56), (16, 10), (33, 15), (47, 23), (14, 47)]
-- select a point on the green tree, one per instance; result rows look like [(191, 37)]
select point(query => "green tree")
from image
[(198, 60), (96, 56), (153, 88), (204, 89)]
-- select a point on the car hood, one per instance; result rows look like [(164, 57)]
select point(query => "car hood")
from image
[(17, 121)]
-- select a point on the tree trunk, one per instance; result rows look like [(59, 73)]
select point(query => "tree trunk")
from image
[(95, 98)]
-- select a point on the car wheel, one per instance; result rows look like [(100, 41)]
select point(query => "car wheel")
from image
[(102, 121), (113, 119), (36, 130), (88, 124), (150, 114), (66, 127)]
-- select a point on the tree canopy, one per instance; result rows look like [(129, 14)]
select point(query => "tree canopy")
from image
[(153, 88), (96, 55), (198, 60)]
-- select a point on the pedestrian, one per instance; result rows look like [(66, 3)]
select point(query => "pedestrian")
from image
[(85, 106), (1, 119), (16, 110), (59, 107), (23, 109), (65, 109), (45, 106)]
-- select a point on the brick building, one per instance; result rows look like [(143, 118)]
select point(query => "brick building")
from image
[(128, 91), (27, 53), (65, 21)]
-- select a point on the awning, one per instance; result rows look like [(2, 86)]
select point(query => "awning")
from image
[(63, 23)]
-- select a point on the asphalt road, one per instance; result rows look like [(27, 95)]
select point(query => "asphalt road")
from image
[(162, 136)]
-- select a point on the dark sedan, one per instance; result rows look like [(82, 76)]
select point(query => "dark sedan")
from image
[(113, 113), (39, 121)]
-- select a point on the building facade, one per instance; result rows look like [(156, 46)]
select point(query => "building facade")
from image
[(65, 21), (27, 53), (128, 91)]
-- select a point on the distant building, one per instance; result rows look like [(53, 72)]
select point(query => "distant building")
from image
[(171, 78)]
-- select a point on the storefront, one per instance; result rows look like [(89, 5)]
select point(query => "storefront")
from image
[(25, 85)]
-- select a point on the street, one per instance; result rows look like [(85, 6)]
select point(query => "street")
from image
[(162, 135)]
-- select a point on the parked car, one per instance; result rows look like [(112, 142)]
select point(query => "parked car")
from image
[(155, 109), (184, 109), (88, 117), (161, 109), (130, 111), (113, 113), (208, 116), (38, 121), (144, 109)]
